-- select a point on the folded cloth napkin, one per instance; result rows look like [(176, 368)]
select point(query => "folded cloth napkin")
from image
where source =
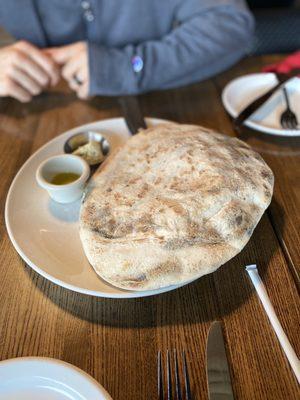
[(285, 66)]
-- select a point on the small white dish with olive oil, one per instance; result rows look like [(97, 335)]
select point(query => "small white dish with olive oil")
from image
[(64, 177)]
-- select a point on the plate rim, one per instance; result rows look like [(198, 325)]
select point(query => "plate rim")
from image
[(61, 363), (248, 122), (122, 295)]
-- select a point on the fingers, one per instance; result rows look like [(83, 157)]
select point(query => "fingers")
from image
[(45, 63), (39, 67), (74, 61), (62, 54), (71, 68), (19, 93), (77, 66), (11, 88), (32, 69), (73, 85), (57, 54), (25, 70), (25, 81), (83, 91)]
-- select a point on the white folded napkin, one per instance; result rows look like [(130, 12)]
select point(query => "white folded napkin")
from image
[(284, 341)]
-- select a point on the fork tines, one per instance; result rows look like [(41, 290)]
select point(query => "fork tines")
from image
[(176, 374), (288, 118)]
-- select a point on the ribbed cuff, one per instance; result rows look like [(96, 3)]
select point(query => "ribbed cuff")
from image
[(111, 71)]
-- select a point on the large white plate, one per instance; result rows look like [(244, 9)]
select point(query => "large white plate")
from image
[(39, 378), (240, 92), (45, 233)]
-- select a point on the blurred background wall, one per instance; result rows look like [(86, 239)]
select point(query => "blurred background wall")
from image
[(277, 26)]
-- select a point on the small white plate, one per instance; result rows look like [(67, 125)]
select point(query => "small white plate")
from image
[(45, 233), (39, 378), (240, 92)]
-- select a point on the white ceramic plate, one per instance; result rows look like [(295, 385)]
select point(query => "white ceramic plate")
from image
[(240, 92), (45, 233), (38, 378)]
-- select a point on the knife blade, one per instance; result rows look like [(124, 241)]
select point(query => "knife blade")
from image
[(219, 383), (132, 114), (256, 104)]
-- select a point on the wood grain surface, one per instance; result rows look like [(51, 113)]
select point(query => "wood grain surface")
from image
[(116, 341)]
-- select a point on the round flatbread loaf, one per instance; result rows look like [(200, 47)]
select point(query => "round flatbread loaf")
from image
[(174, 203)]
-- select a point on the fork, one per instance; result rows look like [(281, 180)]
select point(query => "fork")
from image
[(288, 118), (160, 380)]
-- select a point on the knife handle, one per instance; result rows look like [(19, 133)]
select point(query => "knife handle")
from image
[(132, 113)]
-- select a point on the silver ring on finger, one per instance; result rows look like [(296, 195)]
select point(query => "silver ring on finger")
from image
[(77, 80)]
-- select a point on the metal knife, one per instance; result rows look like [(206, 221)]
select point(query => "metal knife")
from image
[(132, 113), (256, 104), (219, 383)]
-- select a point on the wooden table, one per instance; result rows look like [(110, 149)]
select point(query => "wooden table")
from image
[(116, 341)]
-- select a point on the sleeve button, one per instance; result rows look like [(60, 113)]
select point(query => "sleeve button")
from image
[(89, 16), (137, 63), (85, 5)]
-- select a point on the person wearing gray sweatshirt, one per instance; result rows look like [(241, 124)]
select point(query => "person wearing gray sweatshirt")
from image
[(114, 47)]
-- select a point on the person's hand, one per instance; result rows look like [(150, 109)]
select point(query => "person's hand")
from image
[(25, 70), (75, 69)]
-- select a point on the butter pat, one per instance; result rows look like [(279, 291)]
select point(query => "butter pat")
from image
[(90, 152)]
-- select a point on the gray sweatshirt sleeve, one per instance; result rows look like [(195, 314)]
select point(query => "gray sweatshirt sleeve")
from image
[(209, 36)]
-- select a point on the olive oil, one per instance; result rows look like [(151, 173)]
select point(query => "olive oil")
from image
[(64, 178)]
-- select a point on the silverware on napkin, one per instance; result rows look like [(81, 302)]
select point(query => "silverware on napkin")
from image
[(283, 340), (219, 383), (132, 113), (288, 118), (256, 104)]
